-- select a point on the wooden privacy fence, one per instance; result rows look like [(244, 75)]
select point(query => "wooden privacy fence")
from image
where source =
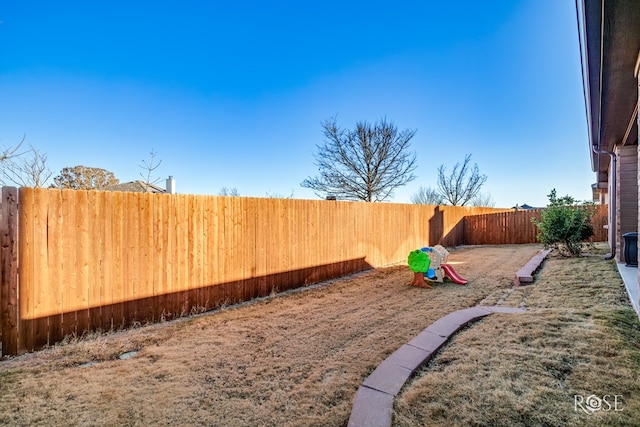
[(516, 227), (74, 261)]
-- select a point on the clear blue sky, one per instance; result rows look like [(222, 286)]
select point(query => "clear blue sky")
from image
[(232, 93)]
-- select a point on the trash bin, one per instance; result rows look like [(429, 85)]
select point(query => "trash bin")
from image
[(631, 249)]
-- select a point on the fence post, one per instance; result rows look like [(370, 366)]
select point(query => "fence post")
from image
[(9, 269)]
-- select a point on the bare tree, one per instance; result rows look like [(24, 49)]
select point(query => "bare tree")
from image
[(427, 196), (225, 191), (483, 199), (85, 178), (462, 185), (367, 163), (11, 152), (26, 170), (149, 168), (271, 195)]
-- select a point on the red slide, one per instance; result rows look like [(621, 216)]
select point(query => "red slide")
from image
[(451, 274)]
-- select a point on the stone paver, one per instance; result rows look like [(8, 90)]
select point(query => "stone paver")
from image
[(372, 408), (388, 378), (525, 274), (444, 327), (465, 316), (410, 357), (428, 341)]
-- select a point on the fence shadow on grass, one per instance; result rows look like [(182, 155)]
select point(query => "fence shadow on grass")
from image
[(34, 334)]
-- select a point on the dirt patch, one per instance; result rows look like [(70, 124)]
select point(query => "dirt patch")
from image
[(292, 360)]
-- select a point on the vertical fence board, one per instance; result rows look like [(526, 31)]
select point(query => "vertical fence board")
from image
[(327, 221), (313, 242), (214, 293), (107, 264), (249, 224), (69, 265), (229, 250), (118, 288), (192, 250), (9, 305), (303, 254), (295, 230), (221, 246), (83, 259), (199, 236), (354, 242), (273, 239), (147, 260), (181, 254), (55, 262), (282, 259), (25, 269), (158, 257), (197, 215), (171, 266), (307, 253), (131, 259), (381, 240), (41, 286), (95, 241), (261, 213), (338, 226), (205, 254), (286, 258), (237, 248)]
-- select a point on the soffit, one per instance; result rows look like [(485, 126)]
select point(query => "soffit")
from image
[(613, 87)]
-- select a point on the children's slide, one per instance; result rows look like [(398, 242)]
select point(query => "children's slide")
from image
[(451, 274)]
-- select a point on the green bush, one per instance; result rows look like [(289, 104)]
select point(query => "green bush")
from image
[(565, 224)]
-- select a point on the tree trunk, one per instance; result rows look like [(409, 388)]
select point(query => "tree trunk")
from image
[(418, 280)]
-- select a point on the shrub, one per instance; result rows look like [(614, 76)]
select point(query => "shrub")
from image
[(565, 224)]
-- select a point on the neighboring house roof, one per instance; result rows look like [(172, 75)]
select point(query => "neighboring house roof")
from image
[(524, 207), (609, 34), (137, 187)]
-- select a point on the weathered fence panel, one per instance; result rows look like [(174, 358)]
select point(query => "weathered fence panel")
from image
[(9, 310), (516, 227), (75, 261)]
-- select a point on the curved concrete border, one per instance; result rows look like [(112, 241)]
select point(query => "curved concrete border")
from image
[(373, 404)]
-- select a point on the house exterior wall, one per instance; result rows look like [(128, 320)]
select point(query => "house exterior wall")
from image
[(637, 186), (638, 156), (613, 235), (627, 195)]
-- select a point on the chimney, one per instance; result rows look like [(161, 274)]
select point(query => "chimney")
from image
[(171, 185)]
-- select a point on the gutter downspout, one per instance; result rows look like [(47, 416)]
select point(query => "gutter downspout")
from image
[(612, 199), (595, 145)]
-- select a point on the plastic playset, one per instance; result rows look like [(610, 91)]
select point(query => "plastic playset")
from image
[(431, 263)]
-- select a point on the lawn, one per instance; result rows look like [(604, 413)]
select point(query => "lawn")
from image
[(297, 359)]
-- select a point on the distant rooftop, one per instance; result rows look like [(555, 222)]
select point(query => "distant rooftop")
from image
[(524, 206), (137, 187)]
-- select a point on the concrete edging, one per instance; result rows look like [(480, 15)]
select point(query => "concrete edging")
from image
[(525, 274), (373, 404)]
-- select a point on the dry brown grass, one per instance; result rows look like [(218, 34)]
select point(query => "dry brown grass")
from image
[(298, 359), (579, 336)]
